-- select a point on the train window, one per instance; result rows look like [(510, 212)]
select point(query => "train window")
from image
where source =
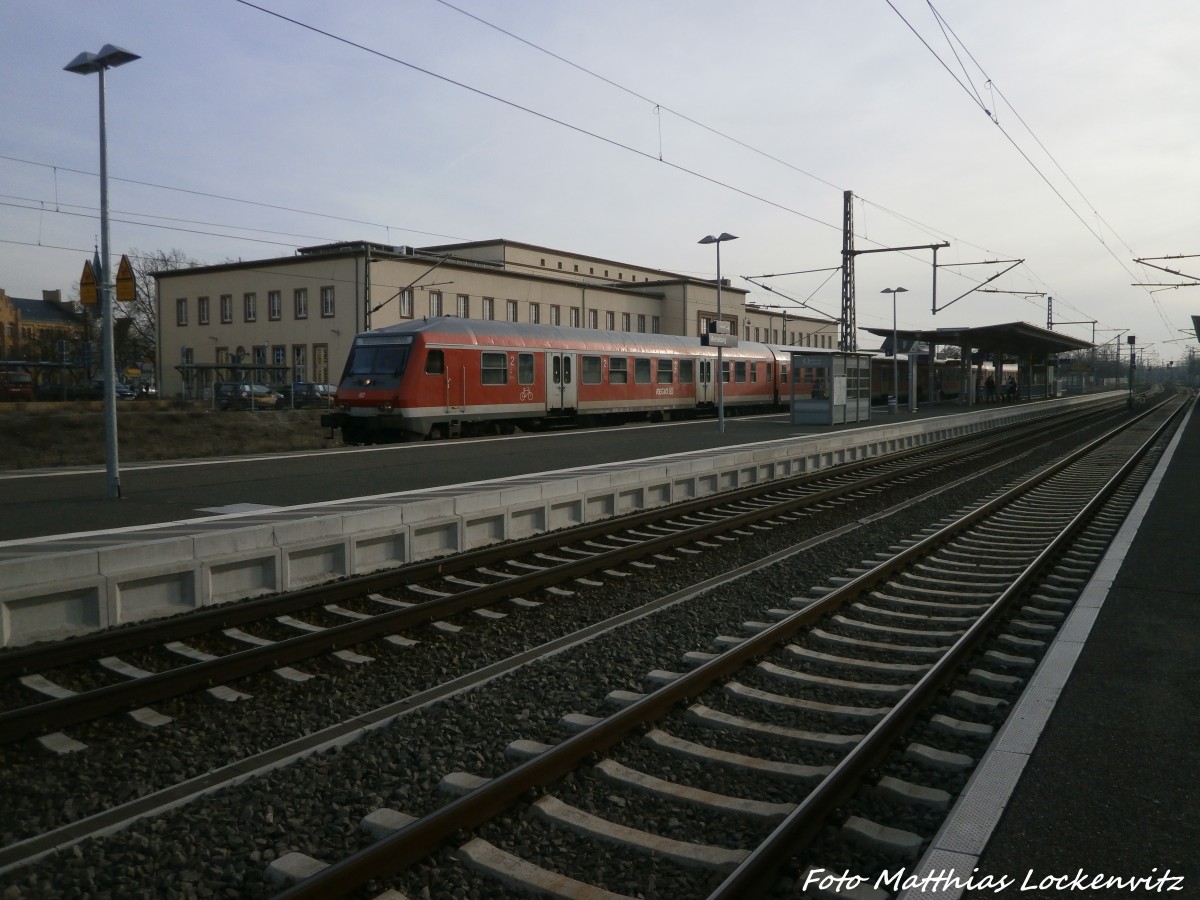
[(739, 371), (783, 374), (435, 363), (494, 368), (524, 368), (590, 370), (641, 371), (687, 371), (725, 371), (618, 370), (377, 360), (666, 371)]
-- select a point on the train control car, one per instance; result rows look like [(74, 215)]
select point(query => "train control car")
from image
[(446, 377)]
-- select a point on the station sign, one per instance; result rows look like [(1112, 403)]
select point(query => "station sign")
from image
[(126, 290), (87, 285), (713, 339)]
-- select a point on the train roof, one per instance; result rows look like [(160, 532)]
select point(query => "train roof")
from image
[(488, 333)]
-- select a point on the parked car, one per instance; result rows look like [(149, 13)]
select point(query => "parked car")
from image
[(15, 385), (123, 391), (230, 395), (300, 394)]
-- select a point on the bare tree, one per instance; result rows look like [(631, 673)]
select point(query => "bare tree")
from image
[(141, 338)]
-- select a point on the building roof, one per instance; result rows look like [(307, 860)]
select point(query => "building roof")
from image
[(1015, 338), (47, 312)]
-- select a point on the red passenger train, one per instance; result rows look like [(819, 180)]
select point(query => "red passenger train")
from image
[(448, 377), (444, 377)]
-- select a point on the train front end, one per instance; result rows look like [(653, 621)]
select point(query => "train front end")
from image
[(370, 404)]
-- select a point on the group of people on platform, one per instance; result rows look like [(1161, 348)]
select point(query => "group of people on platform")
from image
[(1010, 389)]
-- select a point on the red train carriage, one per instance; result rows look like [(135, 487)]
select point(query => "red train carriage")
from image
[(443, 377)]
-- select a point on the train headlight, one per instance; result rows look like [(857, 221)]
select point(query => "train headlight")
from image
[(385, 407)]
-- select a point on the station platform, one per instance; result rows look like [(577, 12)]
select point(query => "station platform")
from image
[(1091, 783)]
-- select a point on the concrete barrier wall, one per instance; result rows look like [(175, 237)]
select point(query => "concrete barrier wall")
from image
[(82, 585)]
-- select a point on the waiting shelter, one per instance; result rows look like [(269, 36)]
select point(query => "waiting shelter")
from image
[(830, 387), (1031, 351)]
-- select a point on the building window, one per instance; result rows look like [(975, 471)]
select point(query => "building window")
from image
[(641, 322), (260, 355), (279, 356), (464, 306), (511, 306), (610, 321), (181, 311), (202, 309), (489, 308), (555, 315), (321, 363), (435, 303), (593, 319), (655, 325), (574, 317), (301, 299), (406, 304), (226, 308), (535, 313), (327, 302), (274, 306), (624, 321), (299, 362), (494, 368), (250, 307)]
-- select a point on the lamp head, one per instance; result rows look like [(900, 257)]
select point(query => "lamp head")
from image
[(109, 57), (710, 239)]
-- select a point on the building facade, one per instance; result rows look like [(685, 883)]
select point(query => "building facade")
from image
[(294, 318), (31, 330)]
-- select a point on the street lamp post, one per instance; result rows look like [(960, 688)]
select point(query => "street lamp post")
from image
[(109, 57), (710, 239), (894, 399)]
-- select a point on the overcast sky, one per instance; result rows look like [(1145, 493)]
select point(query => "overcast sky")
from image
[(655, 122)]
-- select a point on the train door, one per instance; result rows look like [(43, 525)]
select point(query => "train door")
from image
[(705, 393), (561, 387)]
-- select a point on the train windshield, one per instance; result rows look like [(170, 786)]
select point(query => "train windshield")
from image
[(376, 362)]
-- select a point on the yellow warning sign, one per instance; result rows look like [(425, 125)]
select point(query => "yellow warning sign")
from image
[(87, 285), (126, 292)]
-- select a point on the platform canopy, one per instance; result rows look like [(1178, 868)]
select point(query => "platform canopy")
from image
[(1196, 326), (1013, 339)]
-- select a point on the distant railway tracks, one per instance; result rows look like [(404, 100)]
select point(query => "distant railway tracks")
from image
[(480, 587)]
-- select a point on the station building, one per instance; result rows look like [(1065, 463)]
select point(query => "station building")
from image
[(293, 318)]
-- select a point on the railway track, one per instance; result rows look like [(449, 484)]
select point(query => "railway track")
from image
[(129, 669), (981, 594), (812, 500)]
